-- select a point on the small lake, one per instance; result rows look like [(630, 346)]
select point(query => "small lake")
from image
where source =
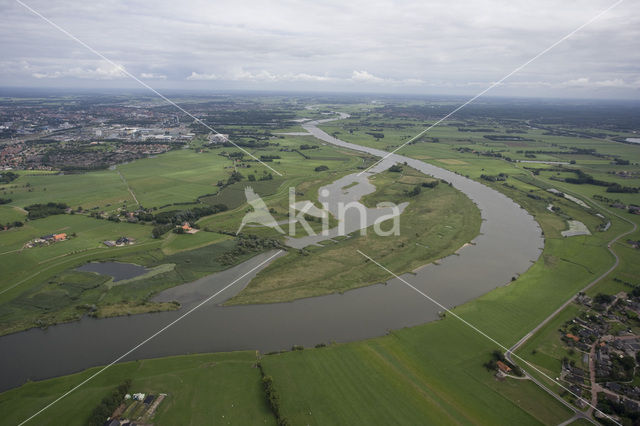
[(118, 270)]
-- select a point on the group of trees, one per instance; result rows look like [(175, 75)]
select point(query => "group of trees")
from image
[(617, 188), (494, 178), (108, 404), (266, 176), (418, 188), (166, 221), (273, 398), (269, 157), (377, 135), (37, 211), (7, 177), (5, 200), (248, 244), (306, 146), (584, 178)]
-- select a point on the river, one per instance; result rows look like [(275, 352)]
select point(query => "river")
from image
[(510, 241)]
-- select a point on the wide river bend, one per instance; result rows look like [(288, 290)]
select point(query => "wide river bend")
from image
[(510, 241)]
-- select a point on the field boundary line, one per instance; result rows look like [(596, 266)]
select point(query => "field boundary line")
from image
[(124, 180), (495, 83), (154, 335), (142, 83)]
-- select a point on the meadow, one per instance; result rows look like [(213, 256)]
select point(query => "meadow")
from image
[(221, 388), (436, 223)]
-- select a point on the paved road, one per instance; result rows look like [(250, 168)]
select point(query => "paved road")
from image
[(578, 413)]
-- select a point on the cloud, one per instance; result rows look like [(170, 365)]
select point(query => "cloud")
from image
[(579, 83), (108, 72), (359, 45), (152, 76), (240, 74), (197, 76), (365, 77)]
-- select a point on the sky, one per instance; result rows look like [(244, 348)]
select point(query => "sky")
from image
[(417, 47)]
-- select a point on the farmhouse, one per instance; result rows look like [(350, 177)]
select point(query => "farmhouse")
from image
[(186, 227), (503, 367), (123, 241)]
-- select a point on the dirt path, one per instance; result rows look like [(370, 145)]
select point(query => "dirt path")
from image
[(128, 187)]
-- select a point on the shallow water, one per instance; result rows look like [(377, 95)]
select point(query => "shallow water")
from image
[(118, 270)]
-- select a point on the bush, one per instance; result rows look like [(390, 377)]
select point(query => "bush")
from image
[(321, 168), (235, 177), (415, 191), (430, 184)]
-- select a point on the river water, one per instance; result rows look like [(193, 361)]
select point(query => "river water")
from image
[(510, 241)]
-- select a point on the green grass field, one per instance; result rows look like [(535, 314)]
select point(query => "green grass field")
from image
[(201, 389), (73, 189)]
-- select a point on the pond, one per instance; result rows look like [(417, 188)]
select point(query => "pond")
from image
[(117, 270)]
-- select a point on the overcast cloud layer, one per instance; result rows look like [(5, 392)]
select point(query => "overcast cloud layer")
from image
[(434, 47)]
